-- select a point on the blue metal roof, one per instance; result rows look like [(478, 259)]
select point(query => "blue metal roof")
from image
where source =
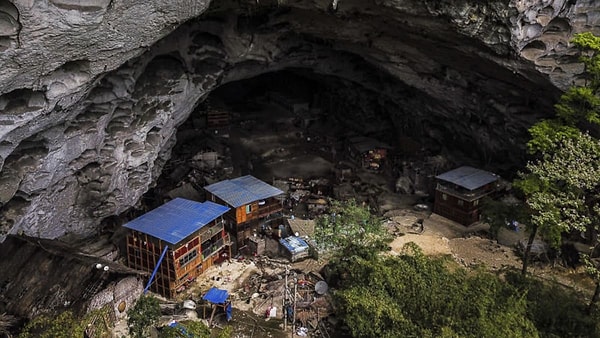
[(242, 190), (294, 244), (176, 219), (468, 177)]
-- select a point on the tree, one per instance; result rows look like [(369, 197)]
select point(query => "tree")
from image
[(562, 189), (415, 296), (559, 185), (143, 316), (64, 325), (350, 229)]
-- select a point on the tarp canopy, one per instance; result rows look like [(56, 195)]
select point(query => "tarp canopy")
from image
[(216, 295)]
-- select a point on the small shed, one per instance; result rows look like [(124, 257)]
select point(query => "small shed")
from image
[(368, 152), (459, 191), (218, 298), (294, 248)]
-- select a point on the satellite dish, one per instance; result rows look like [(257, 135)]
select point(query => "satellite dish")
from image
[(98, 266), (106, 268), (321, 287)]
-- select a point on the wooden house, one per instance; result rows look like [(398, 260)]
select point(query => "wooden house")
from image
[(252, 201), (458, 193), (367, 152), (189, 236)]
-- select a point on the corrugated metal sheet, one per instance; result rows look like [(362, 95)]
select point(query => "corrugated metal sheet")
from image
[(176, 219), (468, 177), (294, 244), (242, 190)]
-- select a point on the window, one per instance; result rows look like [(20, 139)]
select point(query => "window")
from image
[(444, 197), (248, 209), (188, 258), (476, 202), (460, 202)]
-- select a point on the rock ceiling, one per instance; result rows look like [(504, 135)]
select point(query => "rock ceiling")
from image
[(92, 92)]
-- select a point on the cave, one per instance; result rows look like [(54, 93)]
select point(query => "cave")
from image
[(104, 124), (397, 76)]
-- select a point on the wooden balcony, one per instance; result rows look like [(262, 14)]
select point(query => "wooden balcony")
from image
[(218, 245), (208, 233), (268, 209)]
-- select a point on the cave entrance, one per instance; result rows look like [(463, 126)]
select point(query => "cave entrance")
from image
[(290, 125)]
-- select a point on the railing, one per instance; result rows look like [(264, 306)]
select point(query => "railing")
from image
[(208, 233), (466, 195), (218, 245), (268, 209)]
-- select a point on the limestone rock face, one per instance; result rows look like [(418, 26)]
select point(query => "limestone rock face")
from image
[(92, 92)]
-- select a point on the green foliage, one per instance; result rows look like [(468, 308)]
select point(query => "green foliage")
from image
[(226, 332), (416, 296), (562, 187), (350, 229), (545, 135), (590, 44), (65, 325), (555, 310), (194, 329), (577, 107), (578, 104), (143, 316), (170, 332)]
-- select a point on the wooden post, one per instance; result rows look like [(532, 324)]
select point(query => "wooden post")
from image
[(212, 315), (295, 290), (285, 297)]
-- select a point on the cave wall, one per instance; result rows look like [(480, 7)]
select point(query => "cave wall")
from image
[(92, 92)]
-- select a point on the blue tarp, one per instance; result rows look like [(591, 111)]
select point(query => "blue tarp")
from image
[(216, 295), (228, 311), (242, 190), (181, 329), (177, 219), (468, 177), (294, 244)]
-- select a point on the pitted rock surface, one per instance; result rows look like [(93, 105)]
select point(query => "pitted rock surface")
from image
[(92, 92)]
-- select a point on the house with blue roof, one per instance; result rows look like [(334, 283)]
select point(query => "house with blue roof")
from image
[(458, 193), (252, 203), (182, 237)]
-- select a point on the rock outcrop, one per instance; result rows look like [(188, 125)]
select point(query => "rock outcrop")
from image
[(92, 92)]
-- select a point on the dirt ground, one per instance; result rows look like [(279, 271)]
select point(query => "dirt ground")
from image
[(443, 237)]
